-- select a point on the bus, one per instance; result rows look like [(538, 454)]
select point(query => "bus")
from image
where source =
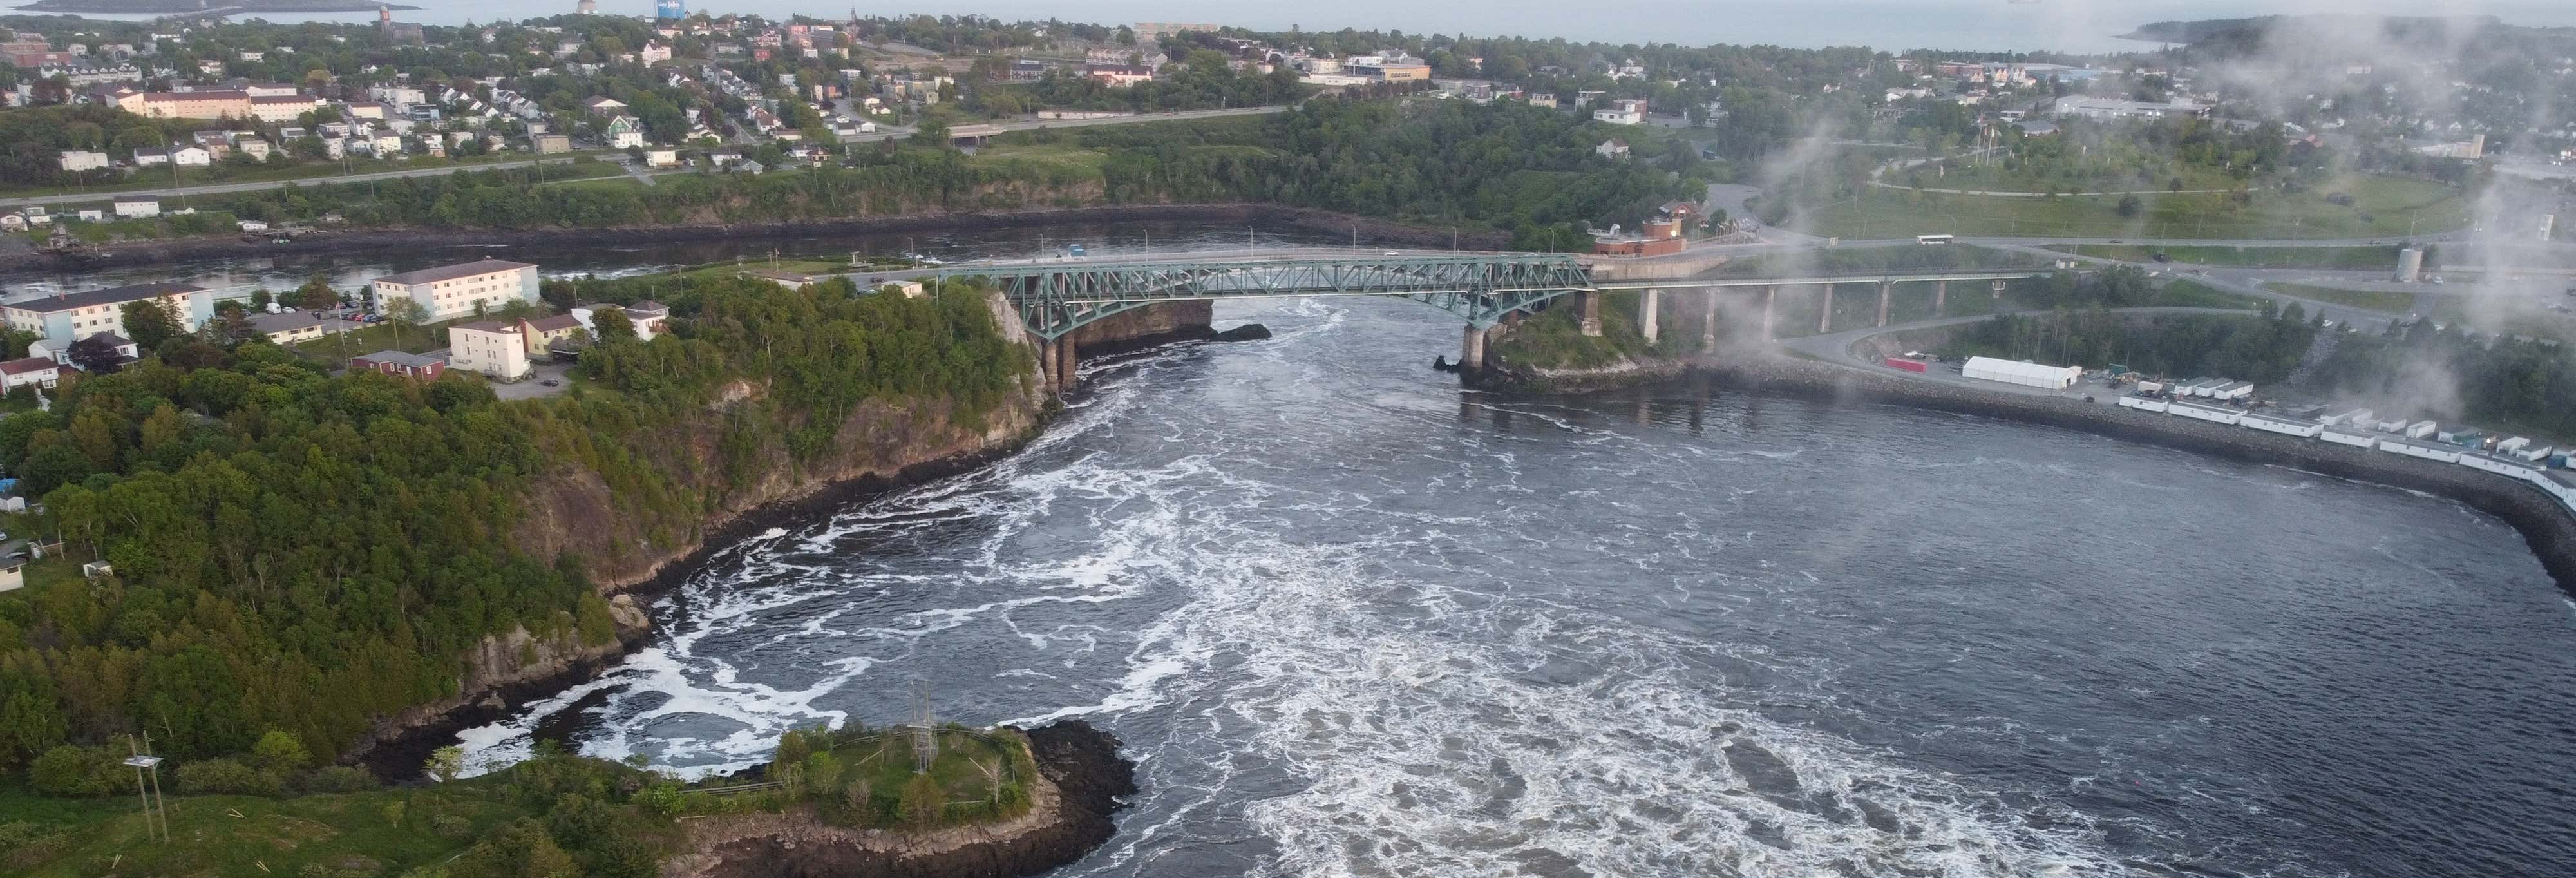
[(1933, 239)]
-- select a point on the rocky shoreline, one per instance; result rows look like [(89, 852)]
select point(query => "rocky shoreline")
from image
[(1375, 231), (1081, 780), (2543, 523)]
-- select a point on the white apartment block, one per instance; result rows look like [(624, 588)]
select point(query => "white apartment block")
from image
[(451, 291)]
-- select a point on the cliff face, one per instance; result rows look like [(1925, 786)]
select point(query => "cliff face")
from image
[(881, 442)]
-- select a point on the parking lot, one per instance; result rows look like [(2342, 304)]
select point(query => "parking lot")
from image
[(535, 387)]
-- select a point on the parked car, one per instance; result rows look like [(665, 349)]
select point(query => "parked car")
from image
[(550, 383)]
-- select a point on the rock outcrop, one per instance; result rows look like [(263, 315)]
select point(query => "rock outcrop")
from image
[(1081, 779)]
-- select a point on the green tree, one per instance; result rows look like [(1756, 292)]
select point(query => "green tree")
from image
[(148, 323), (921, 802), (446, 763), (402, 312), (611, 324), (317, 295), (279, 752)]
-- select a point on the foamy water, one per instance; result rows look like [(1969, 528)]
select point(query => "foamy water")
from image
[(1353, 622)]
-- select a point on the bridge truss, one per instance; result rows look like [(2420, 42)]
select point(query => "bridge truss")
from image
[(1057, 299)]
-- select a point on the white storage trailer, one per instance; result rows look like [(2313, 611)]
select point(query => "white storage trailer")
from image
[(2022, 374), (2421, 429)]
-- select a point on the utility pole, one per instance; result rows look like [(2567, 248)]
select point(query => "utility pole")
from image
[(144, 763)]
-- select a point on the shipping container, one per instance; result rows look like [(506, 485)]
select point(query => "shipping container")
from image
[(2420, 429), (1905, 364)]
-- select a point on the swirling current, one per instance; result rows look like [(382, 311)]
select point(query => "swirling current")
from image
[(1354, 620)]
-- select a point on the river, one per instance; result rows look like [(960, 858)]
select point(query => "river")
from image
[(1353, 620)]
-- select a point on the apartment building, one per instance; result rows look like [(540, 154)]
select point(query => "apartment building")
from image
[(451, 291)]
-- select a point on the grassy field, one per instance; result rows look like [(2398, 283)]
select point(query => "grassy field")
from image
[(2375, 300), (2345, 258), (1995, 179), (1063, 155), (2194, 294), (335, 349), (340, 833), (2383, 206)]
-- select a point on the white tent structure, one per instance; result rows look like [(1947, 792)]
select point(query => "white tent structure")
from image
[(2024, 374)]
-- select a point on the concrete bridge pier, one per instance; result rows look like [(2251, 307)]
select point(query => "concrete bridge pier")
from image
[(1825, 318), (1940, 298), (1885, 289), (1471, 350), (1770, 296), (1589, 301), (1708, 323), (1646, 307), (1065, 361)]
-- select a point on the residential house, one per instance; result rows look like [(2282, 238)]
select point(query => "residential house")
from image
[(289, 327), (1613, 148), (83, 160), (624, 132), (279, 109), (192, 157), (552, 143), (1118, 74), (661, 158), (196, 105), (39, 371), (256, 148), (605, 106), (650, 318), (137, 208), (148, 156), (426, 366), (451, 291), (1625, 111), (556, 337), (491, 347), (63, 318)]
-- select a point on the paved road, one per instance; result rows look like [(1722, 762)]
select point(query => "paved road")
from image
[(220, 188), (1035, 124), (1837, 348)]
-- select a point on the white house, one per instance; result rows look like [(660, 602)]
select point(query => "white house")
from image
[(191, 157), (39, 371), (451, 291), (492, 347), (1625, 111), (138, 208), (83, 160)]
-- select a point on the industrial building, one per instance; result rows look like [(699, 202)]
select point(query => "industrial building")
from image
[(2022, 374)]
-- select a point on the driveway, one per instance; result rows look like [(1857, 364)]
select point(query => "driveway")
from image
[(535, 386)]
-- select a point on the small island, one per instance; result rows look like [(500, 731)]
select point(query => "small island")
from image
[(908, 800), (206, 7)]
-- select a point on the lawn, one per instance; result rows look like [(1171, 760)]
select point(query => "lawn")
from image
[(46, 837), (1995, 179), (335, 349), (1062, 155), (2383, 206), (2376, 300), (2383, 258), (2194, 294)]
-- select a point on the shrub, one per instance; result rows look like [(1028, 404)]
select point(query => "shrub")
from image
[(451, 826), (279, 752), (75, 770), (227, 776), (339, 779)]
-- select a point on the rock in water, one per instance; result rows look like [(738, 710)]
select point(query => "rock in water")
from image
[(1246, 332)]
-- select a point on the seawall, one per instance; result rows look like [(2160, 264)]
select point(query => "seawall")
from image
[(2544, 524)]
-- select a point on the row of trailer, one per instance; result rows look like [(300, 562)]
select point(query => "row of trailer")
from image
[(2544, 467)]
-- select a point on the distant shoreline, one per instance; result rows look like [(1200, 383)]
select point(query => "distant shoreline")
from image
[(188, 7)]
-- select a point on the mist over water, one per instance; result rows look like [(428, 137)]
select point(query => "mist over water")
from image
[(1355, 621)]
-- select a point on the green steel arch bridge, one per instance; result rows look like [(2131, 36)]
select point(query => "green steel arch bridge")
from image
[(1054, 299)]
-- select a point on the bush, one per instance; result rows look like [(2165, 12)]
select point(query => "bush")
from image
[(227, 776), (339, 779), (75, 770), (279, 752)]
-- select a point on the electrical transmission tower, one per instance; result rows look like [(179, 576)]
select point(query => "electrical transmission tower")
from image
[(925, 742)]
